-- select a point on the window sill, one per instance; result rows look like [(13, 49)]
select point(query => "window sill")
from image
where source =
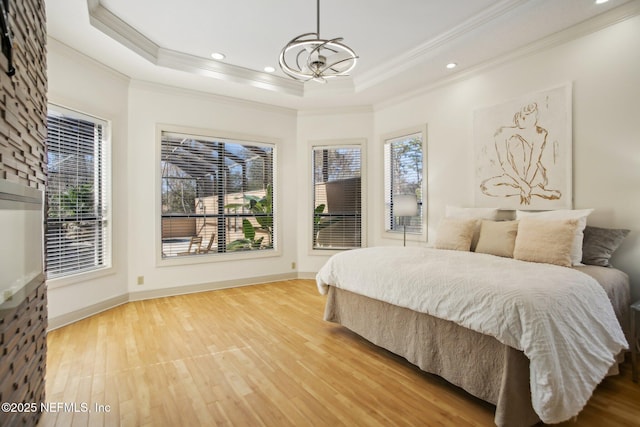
[(212, 258), (60, 282)]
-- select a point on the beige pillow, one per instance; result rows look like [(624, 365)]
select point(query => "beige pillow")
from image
[(471, 213), (497, 238), (561, 214), (455, 234), (545, 240)]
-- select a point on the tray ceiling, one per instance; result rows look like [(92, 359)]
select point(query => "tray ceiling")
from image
[(401, 45)]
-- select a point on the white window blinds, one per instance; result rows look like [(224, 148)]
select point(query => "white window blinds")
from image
[(403, 169), (337, 198), (217, 195), (76, 224)]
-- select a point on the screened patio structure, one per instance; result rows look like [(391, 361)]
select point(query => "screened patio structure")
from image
[(209, 186)]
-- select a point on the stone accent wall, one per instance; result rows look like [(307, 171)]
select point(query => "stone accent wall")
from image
[(23, 343), (23, 97), (23, 114)]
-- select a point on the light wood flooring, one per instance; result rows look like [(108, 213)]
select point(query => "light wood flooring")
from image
[(259, 356)]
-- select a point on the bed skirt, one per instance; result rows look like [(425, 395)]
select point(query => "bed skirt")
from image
[(477, 363)]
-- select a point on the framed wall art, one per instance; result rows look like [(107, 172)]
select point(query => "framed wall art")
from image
[(523, 152)]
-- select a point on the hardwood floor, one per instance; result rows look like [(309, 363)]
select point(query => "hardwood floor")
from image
[(259, 356)]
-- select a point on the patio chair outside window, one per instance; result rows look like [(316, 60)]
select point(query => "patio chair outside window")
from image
[(194, 246)]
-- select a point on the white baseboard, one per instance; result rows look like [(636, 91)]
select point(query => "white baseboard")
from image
[(74, 316), (83, 313), (212, 286), (307, 275)]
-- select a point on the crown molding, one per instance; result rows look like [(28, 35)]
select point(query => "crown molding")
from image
[(102, 19), (422, 52), (336, 111), (105, 21), (220, 99), (614, 16)]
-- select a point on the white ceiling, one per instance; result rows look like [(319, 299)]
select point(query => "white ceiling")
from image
[(401, 44)]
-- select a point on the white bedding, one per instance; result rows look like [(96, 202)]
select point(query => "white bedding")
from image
[(560, 318)]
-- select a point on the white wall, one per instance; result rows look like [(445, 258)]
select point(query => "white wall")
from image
[(151, 104), (353, 125), (604, 69), (84, 85), (134, 109)]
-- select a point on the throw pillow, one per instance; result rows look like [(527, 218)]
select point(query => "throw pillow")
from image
[(600, 243), (578, 214), (472, 213), (545, 241), (455, 234), (497, 238)]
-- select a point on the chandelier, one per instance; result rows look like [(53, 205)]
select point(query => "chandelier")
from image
[(308, 57)]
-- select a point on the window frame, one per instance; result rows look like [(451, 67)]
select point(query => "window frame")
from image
[(107, 267), (226, 256), (360, 143), (424, 208)]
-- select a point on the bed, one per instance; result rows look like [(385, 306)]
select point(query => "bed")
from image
[(533, 339)]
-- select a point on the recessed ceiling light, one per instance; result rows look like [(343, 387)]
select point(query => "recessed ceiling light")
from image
[(269, 69), (451, 65), (601, 1), (217, 55)]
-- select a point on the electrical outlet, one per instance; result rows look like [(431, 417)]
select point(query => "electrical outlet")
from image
[(293, 265), (140, 280)]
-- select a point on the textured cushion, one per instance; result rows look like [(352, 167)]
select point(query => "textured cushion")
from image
[(600, 243), (497, 237), (471, 213), (545, 240), (578, 214), (455, 234)]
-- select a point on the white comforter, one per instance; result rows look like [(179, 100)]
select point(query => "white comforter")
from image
[(561, 318)]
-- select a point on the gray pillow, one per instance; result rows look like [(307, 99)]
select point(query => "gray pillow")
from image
[(600, 243)]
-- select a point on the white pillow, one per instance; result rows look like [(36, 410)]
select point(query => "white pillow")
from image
[(477, 213), (472, 213), (578, 214)]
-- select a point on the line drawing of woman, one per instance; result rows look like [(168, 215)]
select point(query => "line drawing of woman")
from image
[(519, 149)]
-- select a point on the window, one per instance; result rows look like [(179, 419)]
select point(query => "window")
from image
[(337, 197), (77, 235), (403, 175), (217, 195)]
